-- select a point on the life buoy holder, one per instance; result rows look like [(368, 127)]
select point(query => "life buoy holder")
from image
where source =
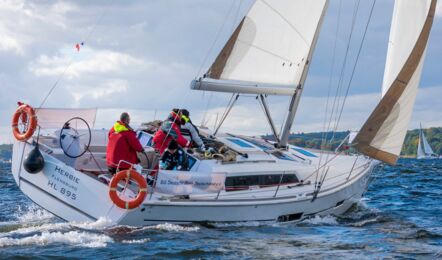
[(129, 175), (28, 117)]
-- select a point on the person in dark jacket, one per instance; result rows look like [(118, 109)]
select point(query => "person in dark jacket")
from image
[(123, 145), (170, 130), (173, 158)]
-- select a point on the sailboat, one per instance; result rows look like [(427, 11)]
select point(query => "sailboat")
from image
[(245, 178), (424, 150)]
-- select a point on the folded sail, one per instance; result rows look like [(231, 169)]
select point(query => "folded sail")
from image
[(383, 134), (271, 44)]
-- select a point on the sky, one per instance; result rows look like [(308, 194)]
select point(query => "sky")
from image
[(140, 56)]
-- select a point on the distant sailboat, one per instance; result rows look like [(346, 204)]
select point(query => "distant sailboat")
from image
[(424, 150)]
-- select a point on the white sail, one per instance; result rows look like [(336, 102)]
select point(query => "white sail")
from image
[(427, 148), (272, 43), (383, 134)]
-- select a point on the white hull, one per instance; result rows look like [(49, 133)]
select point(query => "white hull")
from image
[(49, 189)]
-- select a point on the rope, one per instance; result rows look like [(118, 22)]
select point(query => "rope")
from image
[(355, 65), (341, 76), (218, 34), (324, 134), (98, 21)]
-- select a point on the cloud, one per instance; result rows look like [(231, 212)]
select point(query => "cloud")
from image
[(140, 56), (106, 90), (88, 61)]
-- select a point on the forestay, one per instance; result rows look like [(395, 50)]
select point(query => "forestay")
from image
[(271, 45), (383, 133)]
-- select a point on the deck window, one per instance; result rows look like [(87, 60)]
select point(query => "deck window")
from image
[(304, 152), (240, 142)]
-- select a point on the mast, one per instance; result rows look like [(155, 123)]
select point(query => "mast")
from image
[(293, 107)]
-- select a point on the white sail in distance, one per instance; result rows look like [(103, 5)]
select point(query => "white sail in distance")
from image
[(271, 45), (383, 134), (427, 148)]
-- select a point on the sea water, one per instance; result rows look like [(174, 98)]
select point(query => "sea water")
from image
[(399, 217)]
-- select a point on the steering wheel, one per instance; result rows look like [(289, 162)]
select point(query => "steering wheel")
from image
[(71, 139)]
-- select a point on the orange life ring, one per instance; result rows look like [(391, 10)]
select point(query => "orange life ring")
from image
[(142, 191), (27, 114)]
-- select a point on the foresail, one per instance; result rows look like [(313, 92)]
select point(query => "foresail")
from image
[(383, 134), (426, 145), (271, 44)]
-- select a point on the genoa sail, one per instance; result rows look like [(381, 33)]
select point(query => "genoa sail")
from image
[(424, 149), (383, 134), (270, 46)]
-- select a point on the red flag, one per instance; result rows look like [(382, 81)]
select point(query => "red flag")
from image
[(77, 46)]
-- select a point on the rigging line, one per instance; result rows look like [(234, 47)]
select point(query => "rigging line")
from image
[(334, 106), (324, 135), (218, 34), (206, 110), (97, 22), (225, 111), (341, 79), (355, 11), (235, 18), (356, 63)]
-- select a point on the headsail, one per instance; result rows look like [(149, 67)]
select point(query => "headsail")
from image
[(383, 133), (427, 148), (270, 46)]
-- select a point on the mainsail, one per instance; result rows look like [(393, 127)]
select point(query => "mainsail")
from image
[(268, 51), (383, 134)]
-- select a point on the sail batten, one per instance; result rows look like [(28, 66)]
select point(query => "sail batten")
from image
[(383, 133)]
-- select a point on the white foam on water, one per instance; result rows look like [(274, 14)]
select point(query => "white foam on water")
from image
[(171, 228), (83, 239), (317, 220), (99, 224), (240, 224), (38, 228), (136, 241), (32, 213)]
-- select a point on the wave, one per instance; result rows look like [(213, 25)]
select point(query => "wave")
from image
[(76, 238), (318, 220), (32, 213)]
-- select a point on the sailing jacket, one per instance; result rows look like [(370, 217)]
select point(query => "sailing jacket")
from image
[(169, 130), (123, 145), (193, 133)]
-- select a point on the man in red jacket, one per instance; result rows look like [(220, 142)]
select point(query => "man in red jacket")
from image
[(170, 129), (123, 145)]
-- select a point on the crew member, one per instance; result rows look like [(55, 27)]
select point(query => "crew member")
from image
[(193, 130), (123, 145), (170, 130), (173, 158)]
